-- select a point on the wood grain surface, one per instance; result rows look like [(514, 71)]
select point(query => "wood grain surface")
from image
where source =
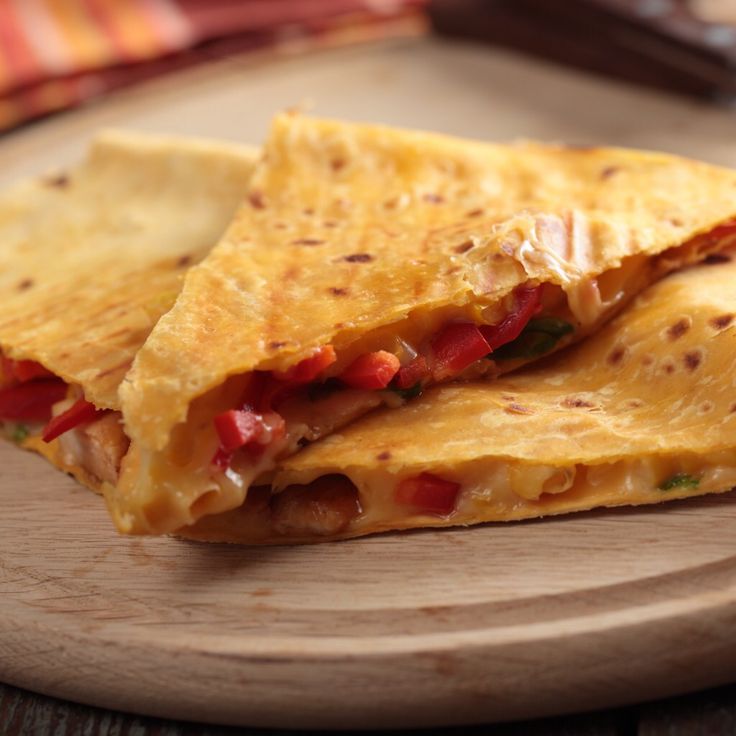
[(708, 713), (430, 628), (418, 629)]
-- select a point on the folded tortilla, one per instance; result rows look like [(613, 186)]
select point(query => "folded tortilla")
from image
[(643, 412), (90, 259), (369, 263)]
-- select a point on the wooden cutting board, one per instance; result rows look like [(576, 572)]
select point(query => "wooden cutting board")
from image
[(418, 629)]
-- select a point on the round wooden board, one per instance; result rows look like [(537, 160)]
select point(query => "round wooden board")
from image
[(419, 629)]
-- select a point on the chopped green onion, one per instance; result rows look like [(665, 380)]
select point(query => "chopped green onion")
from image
[(539, 336), (679, 480), (20, 432)]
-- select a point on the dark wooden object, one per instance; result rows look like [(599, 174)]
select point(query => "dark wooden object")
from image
[(658, 43), (23, 713)]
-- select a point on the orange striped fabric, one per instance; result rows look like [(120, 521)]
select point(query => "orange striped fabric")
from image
[(55, 54)]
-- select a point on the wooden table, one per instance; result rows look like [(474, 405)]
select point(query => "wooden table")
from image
[(399, 84), (712, 712)]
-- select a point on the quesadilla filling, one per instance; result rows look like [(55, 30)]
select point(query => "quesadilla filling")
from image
[(34, 403), (337, 506), (282, 410)]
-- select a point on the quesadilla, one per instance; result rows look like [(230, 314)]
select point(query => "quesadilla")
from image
[(368, 264), (643, 412), (89, 260)]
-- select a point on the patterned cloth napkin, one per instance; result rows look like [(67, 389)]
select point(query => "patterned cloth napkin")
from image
[(56, 54)]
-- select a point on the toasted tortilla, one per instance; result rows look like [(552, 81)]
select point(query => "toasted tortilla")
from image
[(91, 258), (643, 412), (356, 235)]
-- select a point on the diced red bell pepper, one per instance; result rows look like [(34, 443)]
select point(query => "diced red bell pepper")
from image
[(413, 372), (239, 427), (428, 493), (371, 371), (80, 412), (28, 370), (457, 346), (23, 370), (31, 402), (526, 303), (309, 368)]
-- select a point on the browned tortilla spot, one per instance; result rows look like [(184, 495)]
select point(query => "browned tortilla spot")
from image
[(385, 455), (515, 408), (474, 213), (276, 344), (257, 200), (464, 247), (678, 329), (616, 355), (184, 261), (307, 241), (609, 171), (720, 323), (434, 198), (337, 163), (60, 181), (692, 359), (338, 291), (359, 258), (574, 402), (25, 284)]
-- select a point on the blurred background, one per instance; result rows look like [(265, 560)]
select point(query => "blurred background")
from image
[(57, 54)]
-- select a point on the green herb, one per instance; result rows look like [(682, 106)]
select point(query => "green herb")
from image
[(679, 480), (19, 433), (408, 393), (539, 336)]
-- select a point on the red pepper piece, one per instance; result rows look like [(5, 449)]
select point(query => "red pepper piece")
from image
[(371, 371), (237, 427), (410, 374), (457, 346), (79, 413), (22, 370), (31, 402), (28, 370), (527, 302), (309, 368), (428, 493)]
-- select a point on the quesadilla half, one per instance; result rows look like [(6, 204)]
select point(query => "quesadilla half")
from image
[(368, 264), (643, 412), (89, 260)]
